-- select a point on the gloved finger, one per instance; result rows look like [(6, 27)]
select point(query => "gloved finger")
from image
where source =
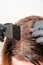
[(39, 40), (2, 27), (38, 27), (37, 33), (38, 23)]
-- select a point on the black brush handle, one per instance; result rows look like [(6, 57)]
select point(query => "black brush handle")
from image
[(10, 30)]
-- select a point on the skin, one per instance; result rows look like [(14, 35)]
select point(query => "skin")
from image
[(17, 62)]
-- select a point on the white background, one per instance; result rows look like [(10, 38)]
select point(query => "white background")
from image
[(13, 10)]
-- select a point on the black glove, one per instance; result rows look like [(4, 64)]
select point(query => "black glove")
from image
[(38, 31), (2, 30)]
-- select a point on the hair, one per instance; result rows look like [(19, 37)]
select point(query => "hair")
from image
[(26, 48)]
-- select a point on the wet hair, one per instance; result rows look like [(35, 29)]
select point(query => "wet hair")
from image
[(26, 48)]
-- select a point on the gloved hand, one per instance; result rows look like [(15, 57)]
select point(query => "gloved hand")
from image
[(38, 31), (2, 30)]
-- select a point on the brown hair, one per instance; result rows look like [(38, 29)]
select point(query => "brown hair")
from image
[(26, 48)]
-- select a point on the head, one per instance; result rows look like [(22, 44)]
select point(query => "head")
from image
[(26, 50)]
